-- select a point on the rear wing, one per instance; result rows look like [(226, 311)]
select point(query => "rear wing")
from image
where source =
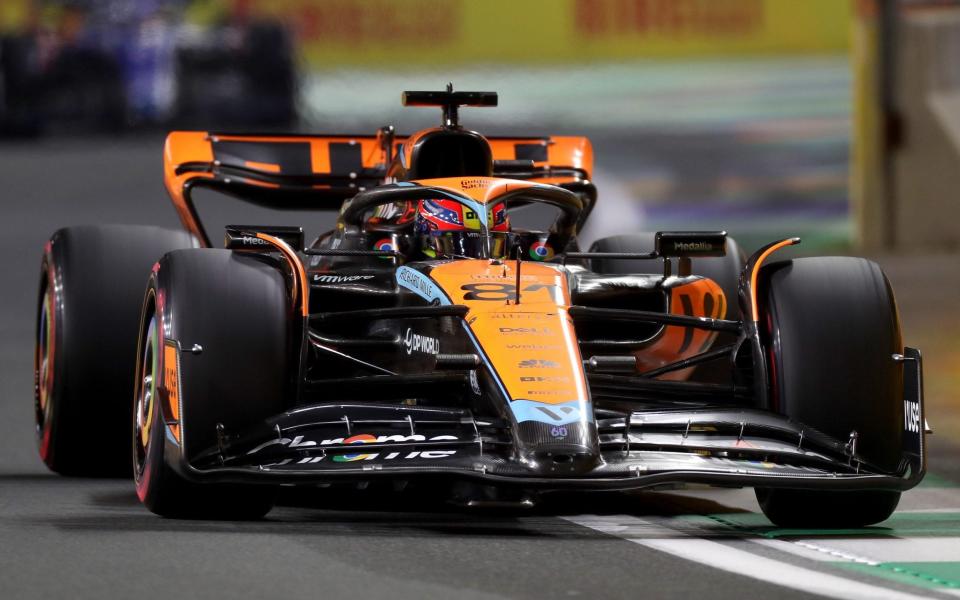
[(305, 172)]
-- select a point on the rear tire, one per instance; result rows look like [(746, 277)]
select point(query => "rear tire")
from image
[(831, 327), (91, 287), (236, 309)]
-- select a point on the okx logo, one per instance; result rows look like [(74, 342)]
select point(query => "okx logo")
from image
[(562, 413)]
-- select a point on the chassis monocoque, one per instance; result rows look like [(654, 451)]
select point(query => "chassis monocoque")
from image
[(649, 360)]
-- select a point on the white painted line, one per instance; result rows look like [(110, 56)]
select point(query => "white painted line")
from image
[(741, 562), (814, 551), (890, 549)]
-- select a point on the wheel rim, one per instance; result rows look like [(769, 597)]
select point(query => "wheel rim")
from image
[(146, 394), (43, 368)]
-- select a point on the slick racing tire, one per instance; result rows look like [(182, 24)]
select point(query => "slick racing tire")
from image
[(724, 270), (831, 328), (91, 287), (817, 509), (214, 358)]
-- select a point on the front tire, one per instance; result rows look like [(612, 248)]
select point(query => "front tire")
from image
[(236, 310), (831, 326), (816, 509)]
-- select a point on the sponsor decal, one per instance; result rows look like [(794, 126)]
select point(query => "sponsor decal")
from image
[(521, 315), (421, 285), (362, 438), (541, 251), (424, 344), (469, 184), (533, 347), (553, 414), (693, 247), (366, 438), (474, 382), (253, 241), (526, 330), (761, 465), (536, 363), (427, 454), (318, 278), (558, 431), (547, 379), (911, 416), (385, 245), (493, 279)]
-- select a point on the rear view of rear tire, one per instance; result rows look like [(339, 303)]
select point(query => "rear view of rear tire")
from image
[(832, 327), (237, 312), (91, 286)]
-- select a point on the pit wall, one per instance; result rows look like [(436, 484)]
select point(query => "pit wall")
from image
[(906, 145)]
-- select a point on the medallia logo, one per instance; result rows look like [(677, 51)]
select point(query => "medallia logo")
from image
[(414, 342)]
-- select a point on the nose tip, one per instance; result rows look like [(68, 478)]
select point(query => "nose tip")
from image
[(558, 461)]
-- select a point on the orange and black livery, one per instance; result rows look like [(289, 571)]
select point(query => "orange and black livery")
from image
[(450, 326)]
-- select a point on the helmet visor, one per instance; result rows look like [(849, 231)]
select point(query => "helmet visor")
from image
[(469, 244)]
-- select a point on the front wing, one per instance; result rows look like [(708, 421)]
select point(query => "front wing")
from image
[(717, 446)]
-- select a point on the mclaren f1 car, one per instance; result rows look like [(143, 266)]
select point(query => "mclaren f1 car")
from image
[(433, 335)]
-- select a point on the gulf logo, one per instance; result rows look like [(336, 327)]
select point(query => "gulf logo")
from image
[(363, 438), (541, 251)]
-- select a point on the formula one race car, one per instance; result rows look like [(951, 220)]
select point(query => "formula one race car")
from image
[(429, 336)]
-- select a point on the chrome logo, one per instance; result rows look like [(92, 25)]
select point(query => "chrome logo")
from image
[(385, 245), (363, 438), (541, 251)]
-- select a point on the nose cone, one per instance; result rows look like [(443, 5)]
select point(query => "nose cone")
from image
[(569, 449), (530, 349)]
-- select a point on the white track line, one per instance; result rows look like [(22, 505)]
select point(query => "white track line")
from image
[(813, 551), (881, 550), (727, 558)]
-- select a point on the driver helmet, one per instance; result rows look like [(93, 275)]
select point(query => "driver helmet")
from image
[(393, 216), (449, 229)]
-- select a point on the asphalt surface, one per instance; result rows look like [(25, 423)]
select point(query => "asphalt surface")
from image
[(82, 538)]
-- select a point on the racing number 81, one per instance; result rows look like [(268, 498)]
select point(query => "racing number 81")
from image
[(499, 291)]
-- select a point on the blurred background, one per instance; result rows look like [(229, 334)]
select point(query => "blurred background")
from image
[(835, 120)]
